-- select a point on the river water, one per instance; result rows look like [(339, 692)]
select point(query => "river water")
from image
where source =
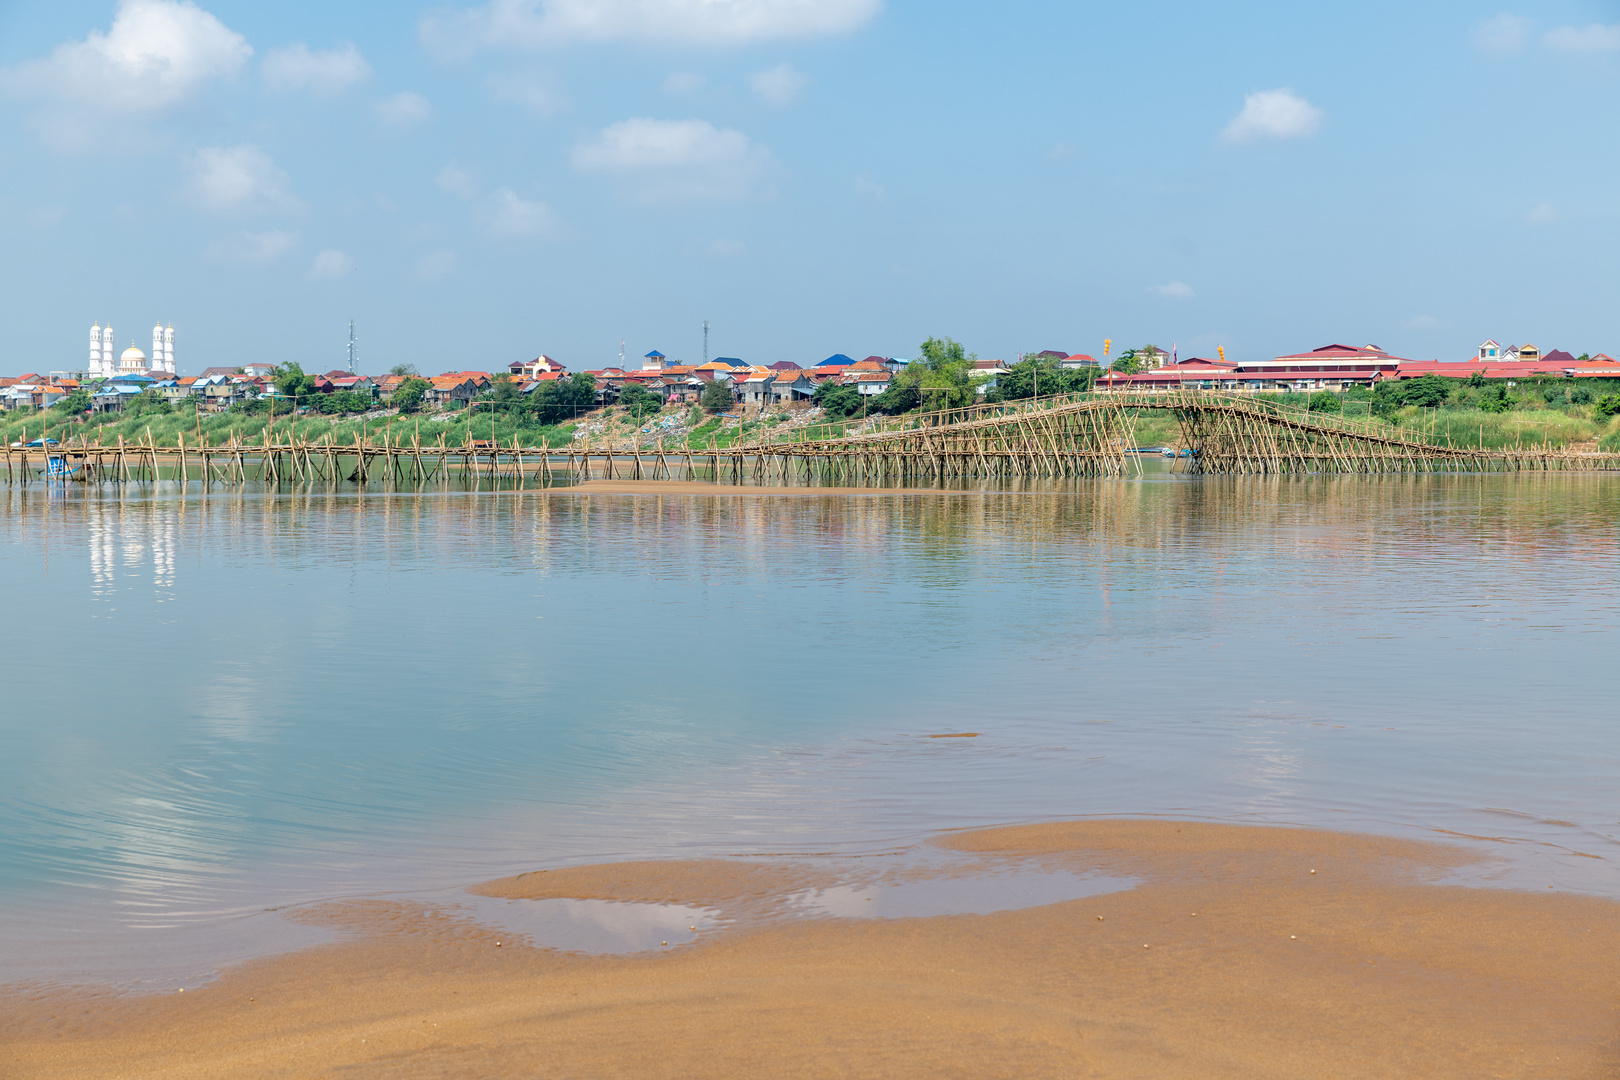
[(222, 703)]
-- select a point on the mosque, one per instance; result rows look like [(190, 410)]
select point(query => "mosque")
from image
[(104, 365)]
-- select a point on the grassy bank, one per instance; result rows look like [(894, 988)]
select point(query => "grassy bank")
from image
[(216, 429)]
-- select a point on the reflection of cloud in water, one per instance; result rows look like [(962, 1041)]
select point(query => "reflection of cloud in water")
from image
[(597, 926), (979, 895), (231, 704), (1268, 769)]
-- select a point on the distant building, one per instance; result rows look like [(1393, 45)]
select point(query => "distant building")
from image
[(131, 361), (540, 365), (1331, 367)]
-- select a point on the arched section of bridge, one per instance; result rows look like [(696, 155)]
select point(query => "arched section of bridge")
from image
[(1093, 435)]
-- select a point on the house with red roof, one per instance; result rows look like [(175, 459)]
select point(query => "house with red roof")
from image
[(1330, 367), (540, 365)]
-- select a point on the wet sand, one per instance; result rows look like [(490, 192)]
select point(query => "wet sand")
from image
[(1230, 959), (698, 487)]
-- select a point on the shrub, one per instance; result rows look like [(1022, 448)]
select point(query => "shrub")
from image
[(639, 401), (1553, 395), (1607, 405), (837, 401), (408, 395), (1325, 401), (716, 397), (1581, 395)]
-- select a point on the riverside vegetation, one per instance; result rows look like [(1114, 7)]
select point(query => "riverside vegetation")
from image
[(1472, 412)]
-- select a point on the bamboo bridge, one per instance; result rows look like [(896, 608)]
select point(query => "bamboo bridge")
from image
[(1072, 435)]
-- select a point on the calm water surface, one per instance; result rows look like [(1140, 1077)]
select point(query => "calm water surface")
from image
[(222, 703)]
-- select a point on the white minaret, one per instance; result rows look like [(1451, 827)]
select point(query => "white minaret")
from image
[(168, 349), (95, 350), (157, 348), (109, 352)]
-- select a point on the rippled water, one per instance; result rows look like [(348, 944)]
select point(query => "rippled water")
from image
[(221, 703)]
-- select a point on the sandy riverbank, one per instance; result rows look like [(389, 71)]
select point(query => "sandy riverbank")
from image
[(1357, 970)]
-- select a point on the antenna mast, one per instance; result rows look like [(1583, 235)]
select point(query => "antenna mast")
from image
[(621, 354), (705, 341), (354, 352)]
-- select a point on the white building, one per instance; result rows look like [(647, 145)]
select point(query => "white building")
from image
[(106, 363)]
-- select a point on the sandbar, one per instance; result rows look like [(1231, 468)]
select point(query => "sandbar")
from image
[(1230, 958)]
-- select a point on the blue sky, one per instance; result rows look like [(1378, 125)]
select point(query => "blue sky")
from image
[(478, 184)]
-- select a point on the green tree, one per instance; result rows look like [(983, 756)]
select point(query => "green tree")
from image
[(340, 402), (1425, 391), (639, 401), (1607, 405), (716, 396), (1497, 401), (73, 403), (1040, 375), (1477, 379), (504, 396), (559, 400), (1324, 401), (289, 379), (941, 377), (1581, 395), (838, 401), (403, 369), (1130, 362), (408, 395)]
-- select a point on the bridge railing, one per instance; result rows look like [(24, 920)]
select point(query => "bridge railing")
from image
[(876, 428)]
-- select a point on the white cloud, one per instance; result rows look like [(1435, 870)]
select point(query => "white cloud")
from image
[(1542, 214), (1503, 35), (1061, 151), (43, 217), (684, 82), (239, 180), (526, 91), (869, 189), (1423, 322), (330, 265), (723, 249), (510, 216), (156, 54), (665, 160), (404, 109), (456, 180), (531, 24), (1584, 39), (781, 85), (297, 67), (1174, 290), (1273, 114), (437, 265), (246, 248)]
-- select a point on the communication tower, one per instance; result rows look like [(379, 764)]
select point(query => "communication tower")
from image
[(705, 341), (354, 350)]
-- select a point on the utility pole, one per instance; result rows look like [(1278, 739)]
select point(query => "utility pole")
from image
[(705, 341), (354, 352)]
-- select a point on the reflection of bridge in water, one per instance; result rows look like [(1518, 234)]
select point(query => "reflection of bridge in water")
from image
[(1075, 435)]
